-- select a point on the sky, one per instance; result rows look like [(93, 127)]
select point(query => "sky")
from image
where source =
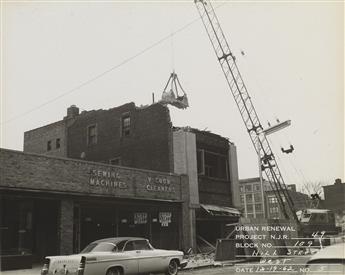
[(102, 54)]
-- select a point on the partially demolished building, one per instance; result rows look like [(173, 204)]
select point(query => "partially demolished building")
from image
[(135, 157)]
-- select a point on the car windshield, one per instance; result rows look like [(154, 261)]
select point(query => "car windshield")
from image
[(99, 247)]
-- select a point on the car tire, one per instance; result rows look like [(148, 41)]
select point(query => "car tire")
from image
[(172, 268), (114, 271)]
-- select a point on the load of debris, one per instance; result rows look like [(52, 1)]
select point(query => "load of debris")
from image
[(171, 96)]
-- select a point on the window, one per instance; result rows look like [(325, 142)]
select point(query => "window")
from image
[(259, 215), (142, 245), (249, 198), (241, 189), (257, 187), (272, 200), (257, 197), (200, 162), (212, 164), (91, 135), (258, 207), (129, 246), (249, 208), (126, 125), (49, 145), (57, 143), (120, 245), (248, 187), (242, 198), (115, 161), (274, 210)]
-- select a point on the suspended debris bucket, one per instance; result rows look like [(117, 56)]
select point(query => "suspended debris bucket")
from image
[(171, 93)]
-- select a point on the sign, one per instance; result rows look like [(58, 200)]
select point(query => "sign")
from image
[(109, 179), (165, 218), (159, 184), (140, 218)]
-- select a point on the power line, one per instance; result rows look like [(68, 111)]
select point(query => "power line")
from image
[(96, 77)]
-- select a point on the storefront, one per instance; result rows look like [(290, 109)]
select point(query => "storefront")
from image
[(221, 219), (55, 206)]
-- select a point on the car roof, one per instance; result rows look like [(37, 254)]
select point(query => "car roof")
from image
[(335, 251), (116, 240)]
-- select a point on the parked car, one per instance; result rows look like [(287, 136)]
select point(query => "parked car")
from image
[(116, 256), (328, 261)]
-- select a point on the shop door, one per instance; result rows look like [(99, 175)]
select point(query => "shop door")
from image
[(97, 223), (46, 226)]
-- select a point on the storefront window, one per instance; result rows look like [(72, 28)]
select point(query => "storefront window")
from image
[(16, 227)]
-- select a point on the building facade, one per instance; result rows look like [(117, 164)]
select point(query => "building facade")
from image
[(53, 205), (251, 199), (130, 138), (335, 196)]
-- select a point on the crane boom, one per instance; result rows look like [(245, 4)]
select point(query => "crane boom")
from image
[(244, 103)]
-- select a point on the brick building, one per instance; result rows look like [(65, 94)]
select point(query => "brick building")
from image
[(335, 196), (54, 205), (251, 199), (125, 139)]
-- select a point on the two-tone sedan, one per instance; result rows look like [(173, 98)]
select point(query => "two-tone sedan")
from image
[(116, 256)]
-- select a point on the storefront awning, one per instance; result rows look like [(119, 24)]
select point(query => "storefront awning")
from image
[(220, 211)]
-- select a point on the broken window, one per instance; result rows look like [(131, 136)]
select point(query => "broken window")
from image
[(212, 165)]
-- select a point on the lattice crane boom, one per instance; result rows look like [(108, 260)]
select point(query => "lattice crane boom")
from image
[(244, 103)]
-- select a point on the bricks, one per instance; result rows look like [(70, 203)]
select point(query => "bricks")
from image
[(37, 172)]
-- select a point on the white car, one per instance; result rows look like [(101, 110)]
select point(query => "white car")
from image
[(116, 256), (328, 261)]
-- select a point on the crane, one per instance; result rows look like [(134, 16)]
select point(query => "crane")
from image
[(244, 103)]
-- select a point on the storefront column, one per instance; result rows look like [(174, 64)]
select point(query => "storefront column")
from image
[(66, 227), (188, 226)]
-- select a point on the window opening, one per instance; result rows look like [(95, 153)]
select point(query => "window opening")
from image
[(91, 135)]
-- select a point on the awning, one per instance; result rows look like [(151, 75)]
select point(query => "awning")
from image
[(220, 211)]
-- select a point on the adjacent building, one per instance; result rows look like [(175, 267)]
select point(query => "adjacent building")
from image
[(122, 171), (252, 199), (335, 196)]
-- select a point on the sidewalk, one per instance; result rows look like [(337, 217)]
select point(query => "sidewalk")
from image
[(35, 270)]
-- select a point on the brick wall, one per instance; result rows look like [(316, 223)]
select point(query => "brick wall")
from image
[(23, 171), (66, 227), (212, 190), (335, 196), (35, 141), (149, 145)]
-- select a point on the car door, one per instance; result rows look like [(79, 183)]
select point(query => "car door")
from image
[(148, 260), (131, 259)]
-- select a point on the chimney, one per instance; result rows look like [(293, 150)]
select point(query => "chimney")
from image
[(72, 111), (337, 181)]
